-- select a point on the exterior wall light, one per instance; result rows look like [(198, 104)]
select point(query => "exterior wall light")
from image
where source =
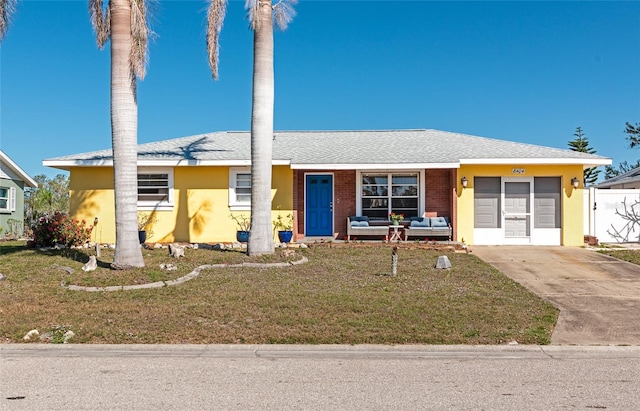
[(575, 182), (464, 181)]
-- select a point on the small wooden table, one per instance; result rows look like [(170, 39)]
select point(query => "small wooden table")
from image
[(395, 235)]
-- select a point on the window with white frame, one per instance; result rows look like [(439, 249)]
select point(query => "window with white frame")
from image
[(384, 193), (155, 188), (7, 199), (4, 199), (240, 188)]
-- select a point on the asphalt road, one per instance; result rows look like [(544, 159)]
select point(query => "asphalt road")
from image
[(117, 377)]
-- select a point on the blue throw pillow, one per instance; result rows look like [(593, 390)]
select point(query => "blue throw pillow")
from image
[(359, 218), (416, 218), (423, 222), (439, 222), (359, 224)]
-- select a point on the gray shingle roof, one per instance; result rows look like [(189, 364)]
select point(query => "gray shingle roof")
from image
[(9, 169), (343, 149), (630, 177)]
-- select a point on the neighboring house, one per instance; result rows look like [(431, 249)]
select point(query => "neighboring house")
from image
[(630, 179), (513, 193), (13, 181)]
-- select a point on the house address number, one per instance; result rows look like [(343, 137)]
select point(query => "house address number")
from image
[(518, 171)]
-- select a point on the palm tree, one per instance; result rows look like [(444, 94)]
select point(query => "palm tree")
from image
[(261, 15), (124, 23), (7, 7)]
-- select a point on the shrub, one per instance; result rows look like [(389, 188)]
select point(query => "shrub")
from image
[(59, 228)]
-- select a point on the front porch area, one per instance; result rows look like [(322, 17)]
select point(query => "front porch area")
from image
[(325, 199)]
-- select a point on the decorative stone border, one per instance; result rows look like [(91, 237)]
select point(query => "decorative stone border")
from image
[(184, 279)]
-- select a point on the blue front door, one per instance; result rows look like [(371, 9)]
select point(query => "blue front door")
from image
[(318, 205)]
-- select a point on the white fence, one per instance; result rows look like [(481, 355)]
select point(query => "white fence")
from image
[(613, 216)]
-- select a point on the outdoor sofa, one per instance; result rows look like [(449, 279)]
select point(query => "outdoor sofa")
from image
[(359, 226), (428, 227)]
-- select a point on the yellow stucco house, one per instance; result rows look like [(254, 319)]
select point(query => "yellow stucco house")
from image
[(492, 191)]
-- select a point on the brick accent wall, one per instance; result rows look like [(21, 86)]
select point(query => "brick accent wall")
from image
[(441, 196), (454, 202), (344, 200), (438, 196)]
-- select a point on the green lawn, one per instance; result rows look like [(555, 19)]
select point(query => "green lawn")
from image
[(343, 295)]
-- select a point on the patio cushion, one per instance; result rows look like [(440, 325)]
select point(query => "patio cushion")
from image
[(422, 222), (439, 222), (359, 218), (359, 224)]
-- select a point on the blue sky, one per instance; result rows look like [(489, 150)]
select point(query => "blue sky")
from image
[(521, 71)]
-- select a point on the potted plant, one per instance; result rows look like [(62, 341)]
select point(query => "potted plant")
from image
[(244, 225), (145, 223), (284, 226), (396, 218)]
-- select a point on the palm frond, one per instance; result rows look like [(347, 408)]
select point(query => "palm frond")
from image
[(100, 20), (215, 18), (7, 8), (140, 33), (283, 13), (251, 6)]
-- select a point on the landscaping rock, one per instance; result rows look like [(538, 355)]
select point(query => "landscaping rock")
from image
[(176, 250), (288, 253), (443, 262), (68, 270), (68, 336), (31, 335), (91, 265)]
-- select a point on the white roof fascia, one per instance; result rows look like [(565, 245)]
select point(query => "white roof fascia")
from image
[(408, 166), (542, 161), (77, 163), (155, 163), (19, 171)]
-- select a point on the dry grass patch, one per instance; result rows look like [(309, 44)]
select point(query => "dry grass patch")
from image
[(342, 295), (624, 254)]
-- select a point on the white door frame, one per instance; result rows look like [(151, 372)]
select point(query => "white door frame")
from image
[(529, 215)]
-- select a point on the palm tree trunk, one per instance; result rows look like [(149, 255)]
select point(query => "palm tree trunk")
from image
[(261, 235), (124, 132)]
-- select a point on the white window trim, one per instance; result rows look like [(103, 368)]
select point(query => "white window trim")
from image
[(421, 187), (157, 205), (235, 205)]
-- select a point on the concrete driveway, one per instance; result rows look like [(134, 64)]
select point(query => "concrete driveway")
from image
[(598, 296)]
